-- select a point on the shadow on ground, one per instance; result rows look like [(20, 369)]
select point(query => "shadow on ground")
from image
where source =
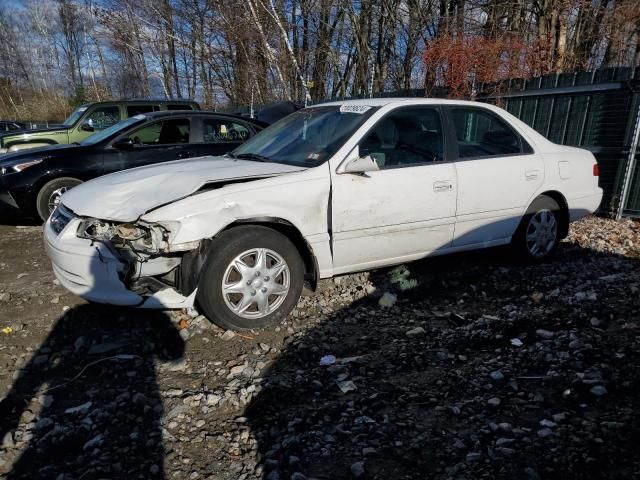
[(91, 397), (437, 387)]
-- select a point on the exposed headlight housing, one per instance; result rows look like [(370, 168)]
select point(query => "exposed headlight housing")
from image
[(143, 238)]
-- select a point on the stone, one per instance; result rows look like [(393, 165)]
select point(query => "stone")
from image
[(357, 469), (415, 331), (388, 300), (598, 390), (228, 335), (494, 402), (502, 441), (545, 334), (7, 440)]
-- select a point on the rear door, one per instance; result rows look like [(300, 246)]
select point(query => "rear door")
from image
[(217, 135), (154, 142), (498, 172)]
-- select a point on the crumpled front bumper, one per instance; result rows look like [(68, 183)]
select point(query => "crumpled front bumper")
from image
[(91, 270)]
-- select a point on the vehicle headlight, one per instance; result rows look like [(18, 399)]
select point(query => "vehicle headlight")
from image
[(18, 167), (144, 238)]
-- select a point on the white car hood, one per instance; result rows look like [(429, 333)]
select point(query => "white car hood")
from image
[(125, 196)]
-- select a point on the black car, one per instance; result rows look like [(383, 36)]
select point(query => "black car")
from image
[(33, 180)]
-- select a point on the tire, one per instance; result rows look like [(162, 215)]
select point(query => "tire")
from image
[(244, 287), (538, 234), (45, 202)]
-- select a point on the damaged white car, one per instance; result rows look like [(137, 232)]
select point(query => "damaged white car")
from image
[(331, 189)]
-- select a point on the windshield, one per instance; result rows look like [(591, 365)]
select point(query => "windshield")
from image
[(306, 138), (75, 115), (113, 129)]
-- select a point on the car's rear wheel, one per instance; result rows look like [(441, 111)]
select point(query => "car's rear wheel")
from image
[(253, 277), (539, 232), (50, 193)]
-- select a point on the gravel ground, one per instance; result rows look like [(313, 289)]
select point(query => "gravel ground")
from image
[(470, 366)]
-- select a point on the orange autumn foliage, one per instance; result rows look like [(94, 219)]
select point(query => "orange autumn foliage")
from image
[(461, 63)]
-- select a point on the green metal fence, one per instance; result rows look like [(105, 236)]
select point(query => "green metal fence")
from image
[(592, 110)]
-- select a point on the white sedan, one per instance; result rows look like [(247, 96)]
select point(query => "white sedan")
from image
[(332, 189)]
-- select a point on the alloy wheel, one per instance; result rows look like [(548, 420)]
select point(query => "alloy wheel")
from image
[(54, 198), (541, 233), (256, 283)]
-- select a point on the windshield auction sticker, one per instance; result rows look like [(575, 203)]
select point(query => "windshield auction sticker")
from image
[(354, 108)]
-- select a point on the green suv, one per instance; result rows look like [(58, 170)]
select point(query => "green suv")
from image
[(88, 119)]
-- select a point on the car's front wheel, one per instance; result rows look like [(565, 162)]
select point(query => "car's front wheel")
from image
[(253, 277), (50, 193), (539, 231)]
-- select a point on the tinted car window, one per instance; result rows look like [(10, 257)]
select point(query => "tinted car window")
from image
[(179, 107), (480, 133), (223, 131), (137, 109), (103, 117), (163, 133), (410, 136)]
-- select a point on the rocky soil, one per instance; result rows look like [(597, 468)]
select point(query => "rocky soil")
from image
[(464, 367)]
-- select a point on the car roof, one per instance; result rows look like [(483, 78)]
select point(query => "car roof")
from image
[(142, 101), (381, 102), (181, 113)]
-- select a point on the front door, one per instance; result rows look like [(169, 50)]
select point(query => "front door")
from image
[(406, 209)]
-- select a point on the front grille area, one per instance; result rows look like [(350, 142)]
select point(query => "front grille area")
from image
[(60, 218)]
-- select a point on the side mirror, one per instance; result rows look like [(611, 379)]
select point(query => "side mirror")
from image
[(123, 143), (362, 165), (87, 126)]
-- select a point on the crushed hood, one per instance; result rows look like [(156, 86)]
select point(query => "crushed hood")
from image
[(125, 196)]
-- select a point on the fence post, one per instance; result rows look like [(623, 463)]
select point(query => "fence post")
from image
[(631, 163)]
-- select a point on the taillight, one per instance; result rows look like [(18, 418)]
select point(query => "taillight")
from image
[(596, 170)]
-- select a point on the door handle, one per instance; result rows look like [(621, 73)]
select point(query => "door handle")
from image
[(185, 154), (442, 186), (532, 174)]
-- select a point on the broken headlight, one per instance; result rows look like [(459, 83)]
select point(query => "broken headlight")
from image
[(147, 238)]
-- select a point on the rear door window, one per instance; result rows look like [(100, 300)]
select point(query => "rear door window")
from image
[(165, 132), (480, 133)]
